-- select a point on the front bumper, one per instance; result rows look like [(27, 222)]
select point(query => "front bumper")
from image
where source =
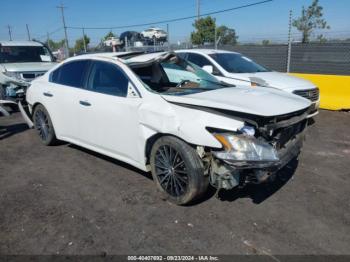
[(285, 154), (314, 109), (229, 174)]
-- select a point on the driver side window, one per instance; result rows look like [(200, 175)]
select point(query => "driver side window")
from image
[(108, 79)]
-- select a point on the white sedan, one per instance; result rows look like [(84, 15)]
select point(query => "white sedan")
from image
[(160, 113), (237, 69)]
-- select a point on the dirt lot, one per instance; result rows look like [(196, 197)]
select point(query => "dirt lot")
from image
[(67, 200)]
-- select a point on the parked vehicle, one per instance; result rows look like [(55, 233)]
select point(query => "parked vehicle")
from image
[(234, 68), (163, 114), (131, 37), (20, 63), (112, 41), (154, 33)]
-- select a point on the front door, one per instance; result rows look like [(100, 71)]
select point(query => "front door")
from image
[(108, 117)]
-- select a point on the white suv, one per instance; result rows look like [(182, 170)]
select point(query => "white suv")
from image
[(154, 33), (20, 63), (234, 68)]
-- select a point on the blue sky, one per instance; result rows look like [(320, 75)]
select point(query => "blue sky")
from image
[(267, 21)]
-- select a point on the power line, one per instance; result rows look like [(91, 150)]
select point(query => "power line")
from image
[(175, 19), (50, 33)]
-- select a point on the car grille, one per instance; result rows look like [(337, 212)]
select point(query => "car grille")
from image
[(284, 135), (311, 94), (29, 76)]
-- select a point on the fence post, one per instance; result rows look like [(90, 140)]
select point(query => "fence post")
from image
[(289, 41)]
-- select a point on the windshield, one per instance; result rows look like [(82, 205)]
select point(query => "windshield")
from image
[(22, 54), (176, 76), (236, 63)]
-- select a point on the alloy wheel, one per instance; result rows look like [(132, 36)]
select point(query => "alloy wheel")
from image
[(42, 124), (171, 171)]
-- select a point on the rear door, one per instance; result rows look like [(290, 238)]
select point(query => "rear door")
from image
[(108, 117), (60, 96)]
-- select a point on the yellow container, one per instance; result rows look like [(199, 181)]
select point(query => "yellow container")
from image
[(334, 90)]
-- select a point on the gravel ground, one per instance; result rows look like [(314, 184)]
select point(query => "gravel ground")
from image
[(68, 200)]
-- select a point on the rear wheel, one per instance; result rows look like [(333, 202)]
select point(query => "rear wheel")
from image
[(177, 170), (43, 125)]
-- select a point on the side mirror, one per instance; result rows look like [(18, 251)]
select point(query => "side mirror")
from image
[(208, 68)]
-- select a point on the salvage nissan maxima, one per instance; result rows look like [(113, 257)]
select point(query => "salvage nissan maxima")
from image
[(163, 114)]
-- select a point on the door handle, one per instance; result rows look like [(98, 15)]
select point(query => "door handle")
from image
[(84, 103), (48, 94)]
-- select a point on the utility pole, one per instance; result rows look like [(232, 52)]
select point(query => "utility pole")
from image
[(84, 41), (289, 41), (10, 32), (65, 29), (28, 34), (48, 40), (215, 36), (198, 9), (167, 36)]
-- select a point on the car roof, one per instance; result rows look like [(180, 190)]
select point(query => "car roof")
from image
[(206, 51), (138, 58), (145, 57), (20, 43), (108, 54)]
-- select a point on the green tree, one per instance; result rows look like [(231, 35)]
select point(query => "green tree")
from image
[(311, 19), (108, 35), (205, 31), (265, 42), (227, 35), (55, 45), (79, 43)]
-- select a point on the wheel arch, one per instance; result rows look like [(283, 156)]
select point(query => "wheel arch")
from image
[(152, 139)]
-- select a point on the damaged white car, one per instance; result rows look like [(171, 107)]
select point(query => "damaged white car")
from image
[(163, 114)]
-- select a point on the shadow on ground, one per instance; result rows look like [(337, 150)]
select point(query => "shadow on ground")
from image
[(260, 192), (112, 160), (10, 130), (257, 192)]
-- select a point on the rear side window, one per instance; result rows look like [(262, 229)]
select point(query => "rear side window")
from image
[(71, 74), (108, 79)]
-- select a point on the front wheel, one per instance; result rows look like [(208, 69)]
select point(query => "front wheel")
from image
[(177, 170), (43, 125)]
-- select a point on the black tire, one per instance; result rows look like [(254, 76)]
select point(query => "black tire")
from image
[(177, 171), (43, 124)]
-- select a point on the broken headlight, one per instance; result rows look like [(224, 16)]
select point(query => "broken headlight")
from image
[(242, 147)]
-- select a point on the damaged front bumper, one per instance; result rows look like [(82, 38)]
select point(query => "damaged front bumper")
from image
[(228, 174)]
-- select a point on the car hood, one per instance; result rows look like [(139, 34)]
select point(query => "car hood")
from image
[(275, 79), (256, 101), (28, 67)]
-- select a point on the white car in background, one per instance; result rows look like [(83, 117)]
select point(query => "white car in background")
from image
[(163, 114), (20, 63), (154, 33), (234, 68)]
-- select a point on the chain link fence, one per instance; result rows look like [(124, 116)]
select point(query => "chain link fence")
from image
[(312, 58)]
